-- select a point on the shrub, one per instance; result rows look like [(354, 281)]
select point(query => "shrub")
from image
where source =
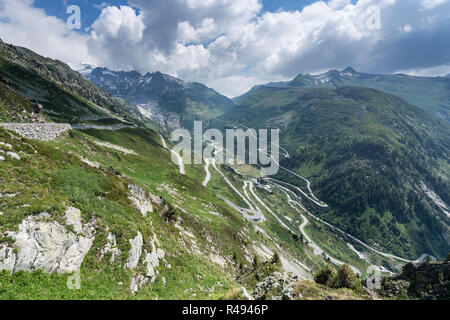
[(169, 213), (324, 275), (346, 278)]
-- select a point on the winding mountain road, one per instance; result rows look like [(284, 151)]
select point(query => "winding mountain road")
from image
[(315, 200), (252, 214), (175, 154), (319, 203), (386, 255), (317, 250), (255, 214), (208, 173)]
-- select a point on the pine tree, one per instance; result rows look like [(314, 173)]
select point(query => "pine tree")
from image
[(276, 258)]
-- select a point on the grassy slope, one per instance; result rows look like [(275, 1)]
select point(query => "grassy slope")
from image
[(55, 178)]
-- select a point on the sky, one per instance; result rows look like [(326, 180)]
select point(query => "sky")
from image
[(232, 45)]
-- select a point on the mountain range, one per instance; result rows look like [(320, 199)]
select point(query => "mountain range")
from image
[(430, 94), (169, 101)]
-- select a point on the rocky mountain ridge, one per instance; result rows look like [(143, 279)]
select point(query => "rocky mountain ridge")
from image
[(164, 99)]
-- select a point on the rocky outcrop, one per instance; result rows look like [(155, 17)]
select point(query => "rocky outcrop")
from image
[(38, 131), (277, 286), (137, 283), (396, 288), (245, 295), (151, 260), (155, 199), (9, 154), (135, 252), (6, 145), (139, 199), (46, 245), (7, 258), (111, 247), (13, 155), (73, 219)]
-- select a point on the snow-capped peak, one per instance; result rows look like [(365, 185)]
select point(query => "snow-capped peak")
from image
[(87, 69)]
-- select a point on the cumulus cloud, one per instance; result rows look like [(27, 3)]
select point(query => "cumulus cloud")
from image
[(24, 25), (115, 37), (172, 21), (232, 45)]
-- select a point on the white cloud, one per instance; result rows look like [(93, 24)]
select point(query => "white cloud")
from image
[(115, 38), (123, 23), (406, 28), (427, 72), (232, 45), (23, 25)]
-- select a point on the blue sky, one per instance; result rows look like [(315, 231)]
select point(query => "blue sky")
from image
[(232, 45), (91, 11)]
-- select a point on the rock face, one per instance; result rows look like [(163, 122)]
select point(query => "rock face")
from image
[(38, 131), (154, 113), (40, 244), (139, 199), (135, 252)]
